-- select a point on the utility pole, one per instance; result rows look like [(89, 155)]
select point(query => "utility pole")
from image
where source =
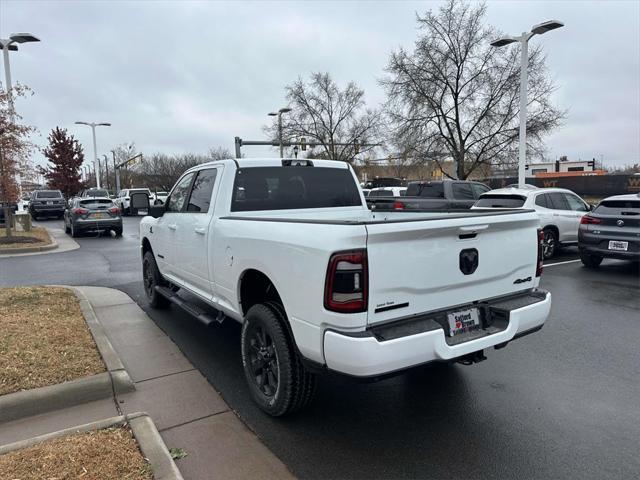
[(96, 161), (279, 115)]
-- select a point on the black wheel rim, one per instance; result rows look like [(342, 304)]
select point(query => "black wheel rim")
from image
[(263, 361), (548, 244), (149, 281)]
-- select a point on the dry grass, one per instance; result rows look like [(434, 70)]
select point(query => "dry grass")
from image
[(44, 339), (106, 454), (38, 233)]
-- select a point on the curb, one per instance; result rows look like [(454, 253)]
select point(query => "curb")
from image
[(144, 430), (114, 381), (42, 248)]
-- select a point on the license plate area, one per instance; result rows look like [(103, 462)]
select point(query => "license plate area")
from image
[(618, 245), (98, 216), (463, 321)]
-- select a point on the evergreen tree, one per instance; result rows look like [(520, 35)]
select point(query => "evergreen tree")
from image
[(65, 156)]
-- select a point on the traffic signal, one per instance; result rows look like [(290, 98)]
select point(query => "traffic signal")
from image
[(356, 146), (592, 164), (303, 143)]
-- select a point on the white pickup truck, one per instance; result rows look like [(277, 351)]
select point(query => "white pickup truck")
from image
[(320, 283)]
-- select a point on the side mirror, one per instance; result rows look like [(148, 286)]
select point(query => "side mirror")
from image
[(591, 207), (156, 211), (139, 203)]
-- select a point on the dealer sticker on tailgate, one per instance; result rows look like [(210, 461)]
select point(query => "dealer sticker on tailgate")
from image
[(463, 321)]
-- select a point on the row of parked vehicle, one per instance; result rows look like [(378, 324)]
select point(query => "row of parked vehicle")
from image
[(610, 229), (92, 210)]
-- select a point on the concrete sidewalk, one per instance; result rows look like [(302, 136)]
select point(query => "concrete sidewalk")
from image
[(186, 409)]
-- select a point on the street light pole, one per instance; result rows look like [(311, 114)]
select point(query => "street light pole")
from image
[(524, 62), (96, 162), (10, 44), (279, 114)]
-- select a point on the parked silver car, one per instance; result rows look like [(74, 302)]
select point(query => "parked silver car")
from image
[(92, 215)]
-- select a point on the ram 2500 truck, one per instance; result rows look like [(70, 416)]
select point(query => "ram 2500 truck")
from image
[(320, 283)]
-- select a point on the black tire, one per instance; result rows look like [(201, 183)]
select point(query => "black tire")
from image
[(549, 243), (67, 230), (590, 260), (277, 380), (117, 231), (151, 278), (126, 212), (74, 233)]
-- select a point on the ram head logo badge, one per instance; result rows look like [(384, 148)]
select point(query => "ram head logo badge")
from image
[(468, 261)]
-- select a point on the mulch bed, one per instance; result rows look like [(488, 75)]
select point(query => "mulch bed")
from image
[(111, 453), (14, 239), (44, 339), (38, 236)]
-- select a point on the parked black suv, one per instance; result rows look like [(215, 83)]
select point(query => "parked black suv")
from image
[(611, 230), (46, 203)]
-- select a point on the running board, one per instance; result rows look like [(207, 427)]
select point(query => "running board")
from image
[(199, 314)]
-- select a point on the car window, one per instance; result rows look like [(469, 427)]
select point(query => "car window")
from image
[(489, 200), (291, 187), (618, 207), (96, 203), (462, 191), (479, 189), (557, 201), (381, 193), (575, 203), (541, 201), (179, 194), (426, 189), (200, 198), (49, 194)]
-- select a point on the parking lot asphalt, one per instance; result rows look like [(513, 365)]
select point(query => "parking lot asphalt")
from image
[(562, 403)]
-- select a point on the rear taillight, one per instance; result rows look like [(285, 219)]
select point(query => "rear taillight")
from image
[(398, 205), (345, 289), (114, 210), (540, 265), (587, 220), (80, 211)]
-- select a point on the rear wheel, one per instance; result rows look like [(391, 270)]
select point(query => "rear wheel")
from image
[(74, 233), (151, 277), (590, 260), (118, 231), (549, 243), (277, 380), (67, 229)]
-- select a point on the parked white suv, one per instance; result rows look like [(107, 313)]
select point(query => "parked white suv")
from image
[(560, 211)]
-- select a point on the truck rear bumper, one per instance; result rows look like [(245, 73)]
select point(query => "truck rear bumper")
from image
[(366, 356)]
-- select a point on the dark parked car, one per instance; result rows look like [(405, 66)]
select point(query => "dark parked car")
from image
[(92, 215), (611, 230), (46, 203), (433, 195)]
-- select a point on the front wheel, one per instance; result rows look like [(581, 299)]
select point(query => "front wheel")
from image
[(152, 278), (277, 380), (590, 260), (549, 243)]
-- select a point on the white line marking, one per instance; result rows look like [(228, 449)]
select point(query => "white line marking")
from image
[(561, 263)]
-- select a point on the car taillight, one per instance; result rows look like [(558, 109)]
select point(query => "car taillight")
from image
[(398, 205), (346, 285), (587, 220), (80, 211), (114, 210), (540, 265)]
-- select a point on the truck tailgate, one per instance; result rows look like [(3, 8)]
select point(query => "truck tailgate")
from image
[(419, 266)]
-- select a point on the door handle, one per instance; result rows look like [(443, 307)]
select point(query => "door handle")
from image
[(173, 226), (201, 231)]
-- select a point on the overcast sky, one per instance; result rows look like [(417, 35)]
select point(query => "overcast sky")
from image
[(180, 76)]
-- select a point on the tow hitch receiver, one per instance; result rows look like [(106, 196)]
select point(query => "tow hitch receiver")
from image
[(471, 358)]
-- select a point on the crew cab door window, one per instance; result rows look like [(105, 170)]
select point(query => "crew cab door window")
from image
[(462, 191), (176, 201), (200, 198)]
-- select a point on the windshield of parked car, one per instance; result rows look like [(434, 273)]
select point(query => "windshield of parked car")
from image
[(427, 190), (290, 187), (500, 201), (49, 194), (618, 207), (96, 203)]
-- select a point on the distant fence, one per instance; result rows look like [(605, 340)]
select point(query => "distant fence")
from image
[(600, 185)]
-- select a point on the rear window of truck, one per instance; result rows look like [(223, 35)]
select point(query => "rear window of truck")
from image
[(619, 207), (381, 193), (291, 187), (426, 190), (500, 201)]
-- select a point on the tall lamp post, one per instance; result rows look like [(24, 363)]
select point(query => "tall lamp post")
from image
[(10, 44), (95, 150), (279, 115), (524, 58)]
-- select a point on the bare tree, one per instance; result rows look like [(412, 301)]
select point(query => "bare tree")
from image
[(455, 97), (325, 114)]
